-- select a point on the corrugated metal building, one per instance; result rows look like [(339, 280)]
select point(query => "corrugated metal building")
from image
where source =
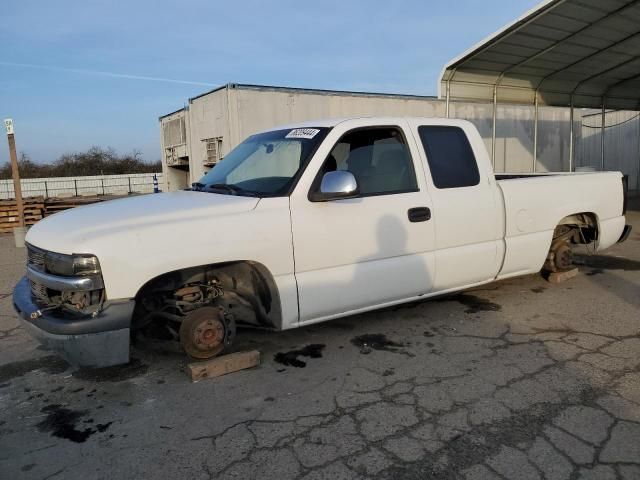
[(575, 54), (194, 138)]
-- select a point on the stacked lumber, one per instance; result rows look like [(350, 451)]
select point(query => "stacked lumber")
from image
[(57, 204), (33, 211), (36, 208)]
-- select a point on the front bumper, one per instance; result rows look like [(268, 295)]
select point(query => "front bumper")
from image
[(54, 282), (91, 342)]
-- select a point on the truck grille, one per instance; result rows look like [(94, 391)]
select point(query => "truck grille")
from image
[(36, 258), (39, 291)]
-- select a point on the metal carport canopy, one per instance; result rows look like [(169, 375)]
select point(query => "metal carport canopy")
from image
[(575, 53), (563, 52)]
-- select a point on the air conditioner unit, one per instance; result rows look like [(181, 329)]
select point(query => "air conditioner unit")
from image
[(213, 151)]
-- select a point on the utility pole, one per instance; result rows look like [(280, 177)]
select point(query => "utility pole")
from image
[(8, 123)]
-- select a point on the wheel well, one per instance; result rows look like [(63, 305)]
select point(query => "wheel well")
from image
[(246, 288), (578, 228)]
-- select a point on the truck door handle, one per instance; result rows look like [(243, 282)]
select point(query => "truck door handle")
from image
[(419, 214)]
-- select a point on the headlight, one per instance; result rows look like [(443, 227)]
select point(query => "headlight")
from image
[(85, 265), (71, 265)]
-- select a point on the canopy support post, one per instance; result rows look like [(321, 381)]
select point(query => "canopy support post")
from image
[(493, 129), (571, 140), (448, 93), (535, 135), (604, 117), (448, 98)]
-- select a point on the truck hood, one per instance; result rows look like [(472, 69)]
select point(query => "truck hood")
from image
[(74, 230)]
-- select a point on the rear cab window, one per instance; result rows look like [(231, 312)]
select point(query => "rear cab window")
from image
[(450, 157)]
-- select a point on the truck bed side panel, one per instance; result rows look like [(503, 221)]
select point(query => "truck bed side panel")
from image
[(535, 205)]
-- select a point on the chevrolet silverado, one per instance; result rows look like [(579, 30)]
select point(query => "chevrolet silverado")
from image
[(303, 224)]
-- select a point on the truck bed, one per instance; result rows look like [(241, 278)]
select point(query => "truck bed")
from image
[(514, 176), (536, 203)]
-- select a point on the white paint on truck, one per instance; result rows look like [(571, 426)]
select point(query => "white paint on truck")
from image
[(335, 258)]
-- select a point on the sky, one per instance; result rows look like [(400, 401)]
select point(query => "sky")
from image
[(78, 73)]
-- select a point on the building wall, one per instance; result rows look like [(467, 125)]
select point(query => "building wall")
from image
[(259, 110), (208, 118), (174, 178), (236, 112), (515, 135), (622, 143)]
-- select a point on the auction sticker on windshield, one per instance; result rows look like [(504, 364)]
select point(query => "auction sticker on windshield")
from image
[(307, 133)]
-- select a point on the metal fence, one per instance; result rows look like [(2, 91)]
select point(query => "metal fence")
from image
[(93, 185)]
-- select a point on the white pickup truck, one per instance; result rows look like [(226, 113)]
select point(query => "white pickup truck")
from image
[(300, 225)]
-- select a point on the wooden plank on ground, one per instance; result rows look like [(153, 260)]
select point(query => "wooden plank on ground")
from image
[(15, 219), (559, 277), (223, 365), (14, 213), (25, 201)]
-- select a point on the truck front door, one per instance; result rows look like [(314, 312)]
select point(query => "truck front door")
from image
[(376, 249)]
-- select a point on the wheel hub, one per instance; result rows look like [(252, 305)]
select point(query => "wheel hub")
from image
[(563, 257), (206, 332), (209, 334)]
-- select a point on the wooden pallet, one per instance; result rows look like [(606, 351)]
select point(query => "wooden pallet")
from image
[(7, 227), (25, 201), (54, 205), (33, 212), (36, 208)]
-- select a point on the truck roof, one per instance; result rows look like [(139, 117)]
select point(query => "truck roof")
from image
[(332, 122)]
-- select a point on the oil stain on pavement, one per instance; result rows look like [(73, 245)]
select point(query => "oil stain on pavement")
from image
[(117, 373), (290, 359), (62, 422), (476, 304), (49, 364), (375, 341)]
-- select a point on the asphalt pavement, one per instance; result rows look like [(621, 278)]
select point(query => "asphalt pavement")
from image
[(519, 379)]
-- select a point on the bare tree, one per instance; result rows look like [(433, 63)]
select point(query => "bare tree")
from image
[(95, 161)]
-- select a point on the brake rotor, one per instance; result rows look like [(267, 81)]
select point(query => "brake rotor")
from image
[(206, 332), (563, 257)]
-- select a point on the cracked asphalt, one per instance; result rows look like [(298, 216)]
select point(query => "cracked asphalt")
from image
[(519, 379)]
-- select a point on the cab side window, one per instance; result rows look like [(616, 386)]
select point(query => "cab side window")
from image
[(379, 158), (450, 157)]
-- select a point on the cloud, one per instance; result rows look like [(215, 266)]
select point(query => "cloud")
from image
[(106, 74)]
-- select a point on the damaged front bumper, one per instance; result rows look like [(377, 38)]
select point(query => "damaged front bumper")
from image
[(92, 341)]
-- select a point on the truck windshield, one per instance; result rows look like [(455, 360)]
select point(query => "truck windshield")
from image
[(266, 164)]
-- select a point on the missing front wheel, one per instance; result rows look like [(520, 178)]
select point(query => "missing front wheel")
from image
[(207, 332)]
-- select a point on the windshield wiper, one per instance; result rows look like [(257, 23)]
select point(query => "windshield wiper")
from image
[(197, 186), (234, 189)]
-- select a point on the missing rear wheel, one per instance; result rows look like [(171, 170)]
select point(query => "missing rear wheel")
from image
[(560, 258)]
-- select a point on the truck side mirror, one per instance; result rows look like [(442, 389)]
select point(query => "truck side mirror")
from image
[(336, 185)]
